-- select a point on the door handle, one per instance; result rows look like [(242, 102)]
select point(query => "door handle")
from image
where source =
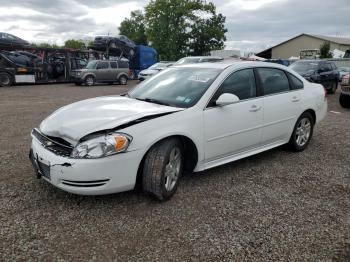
[(295, 99), (254, 108)]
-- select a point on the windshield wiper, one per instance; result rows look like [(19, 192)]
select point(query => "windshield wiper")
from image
[(155, 101)]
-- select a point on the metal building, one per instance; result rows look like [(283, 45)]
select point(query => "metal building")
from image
[(293, 46)]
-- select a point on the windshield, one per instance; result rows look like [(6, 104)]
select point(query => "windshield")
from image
[(91, 65), (303, 67), (179, 87), (158, 66), (187, 60)]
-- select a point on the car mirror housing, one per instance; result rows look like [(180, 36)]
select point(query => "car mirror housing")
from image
[(226, 99)]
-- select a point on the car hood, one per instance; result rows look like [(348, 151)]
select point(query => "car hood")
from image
[(150, 71), (74, 121)]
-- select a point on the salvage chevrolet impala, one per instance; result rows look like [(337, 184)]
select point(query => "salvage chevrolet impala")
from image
[(190, 117)]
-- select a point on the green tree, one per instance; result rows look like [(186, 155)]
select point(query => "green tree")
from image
[(47, 45), (176, 28), (75, 44), (208, 34), (325, 50), (134, 28)]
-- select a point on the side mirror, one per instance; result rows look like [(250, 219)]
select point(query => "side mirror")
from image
[(226, 99)]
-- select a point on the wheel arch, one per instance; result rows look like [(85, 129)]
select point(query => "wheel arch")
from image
[(312, 113), (190, 149), (89, 74)]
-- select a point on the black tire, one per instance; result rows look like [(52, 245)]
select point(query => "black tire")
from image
[(123, 80), (5, 79), (89, 80), (333, 87), (344, 100), (77, 84), (293, 141), (157, 161)]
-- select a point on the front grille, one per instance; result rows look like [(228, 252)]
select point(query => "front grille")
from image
[(93, 183), (56, 145)]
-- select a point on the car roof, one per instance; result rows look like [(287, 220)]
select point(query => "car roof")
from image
[(227, 63)]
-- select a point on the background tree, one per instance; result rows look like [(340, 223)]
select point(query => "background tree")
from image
[(207, 35), (325, 50), (134, 28), (75, 44), (178, 28), (47, 45)]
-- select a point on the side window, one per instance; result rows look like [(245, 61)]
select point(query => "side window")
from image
[(240, 83), (2, 62), (295, 82), (273, 80), (114, 65), (328, 67), (102, 65), (123, 64)]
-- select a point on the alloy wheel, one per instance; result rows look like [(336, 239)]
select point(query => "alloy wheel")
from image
[(303, 132), (172, 169)]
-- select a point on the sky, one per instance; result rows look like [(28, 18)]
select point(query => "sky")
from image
[(253, 25)]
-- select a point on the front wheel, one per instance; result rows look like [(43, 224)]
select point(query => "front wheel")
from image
[(5, 79), (162, 169), (123, 80), (89, 81), (302, 132), (344, 100)]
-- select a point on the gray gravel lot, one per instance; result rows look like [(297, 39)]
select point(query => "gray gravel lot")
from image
[(275, 206)]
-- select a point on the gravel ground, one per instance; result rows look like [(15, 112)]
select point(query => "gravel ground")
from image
[(275, 206)]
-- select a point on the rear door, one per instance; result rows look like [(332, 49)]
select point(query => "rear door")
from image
[(281, 104), (114, 70)]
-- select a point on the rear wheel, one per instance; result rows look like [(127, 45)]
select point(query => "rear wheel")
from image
[(333, 87), (123, 80), (89, 80), (163, 166), (5, 79), (344, 100), (302, 132)]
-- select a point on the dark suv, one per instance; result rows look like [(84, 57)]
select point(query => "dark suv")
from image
[(323, 72)]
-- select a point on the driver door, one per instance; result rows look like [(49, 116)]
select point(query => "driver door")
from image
[(102, 71), (235, 128)]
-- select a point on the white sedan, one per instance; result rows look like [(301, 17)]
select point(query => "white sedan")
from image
[(190, 117)]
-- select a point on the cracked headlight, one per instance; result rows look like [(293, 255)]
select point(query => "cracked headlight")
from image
[(102, 146)]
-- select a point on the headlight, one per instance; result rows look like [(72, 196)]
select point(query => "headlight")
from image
[(102, 146), (78, 73)]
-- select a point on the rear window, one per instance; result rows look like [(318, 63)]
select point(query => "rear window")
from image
[(273, 80), (114, 65), (295, 83)]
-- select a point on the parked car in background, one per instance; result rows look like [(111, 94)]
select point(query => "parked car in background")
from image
[(119, 45), (198, 59), (343, 71), (191, 117), (154, 69), (9, 40), (318, 71), (102, 71), (344, 98)]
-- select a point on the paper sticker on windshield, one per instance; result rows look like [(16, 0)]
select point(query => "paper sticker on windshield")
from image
[(180, 98), (199, 78), (187, 100)]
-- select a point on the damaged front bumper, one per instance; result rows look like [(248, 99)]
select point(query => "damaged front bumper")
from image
[(101, 176)]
